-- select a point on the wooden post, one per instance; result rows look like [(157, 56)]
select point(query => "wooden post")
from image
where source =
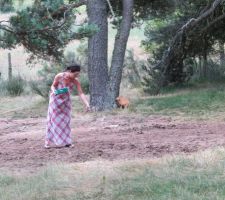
[(9, 67)]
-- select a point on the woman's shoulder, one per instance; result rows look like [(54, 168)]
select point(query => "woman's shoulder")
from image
[(76, 80), (59, 75)]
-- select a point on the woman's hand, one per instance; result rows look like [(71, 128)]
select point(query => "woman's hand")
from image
[(87, 108)]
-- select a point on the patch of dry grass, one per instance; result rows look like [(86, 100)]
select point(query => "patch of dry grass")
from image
[(198, 177)]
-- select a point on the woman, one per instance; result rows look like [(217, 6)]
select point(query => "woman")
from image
[(59, 110)]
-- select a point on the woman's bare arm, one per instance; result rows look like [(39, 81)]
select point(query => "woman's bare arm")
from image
[(55, 83), (82, 95)]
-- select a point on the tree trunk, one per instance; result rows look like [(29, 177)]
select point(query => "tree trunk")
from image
[(115, 74), (97, 53), (222, 54)]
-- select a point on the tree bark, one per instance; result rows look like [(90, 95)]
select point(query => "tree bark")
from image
[(115, 74), (222, 53), (98, 53)]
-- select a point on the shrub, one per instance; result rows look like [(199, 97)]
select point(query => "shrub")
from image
[(153, 80), (132, 70), (214, 72), (14, 86), (3, 91), (6, 6)]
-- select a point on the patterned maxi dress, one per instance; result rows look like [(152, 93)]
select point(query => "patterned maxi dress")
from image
[(59, 116)]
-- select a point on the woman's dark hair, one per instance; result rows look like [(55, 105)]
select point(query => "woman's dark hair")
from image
[(73, 68)]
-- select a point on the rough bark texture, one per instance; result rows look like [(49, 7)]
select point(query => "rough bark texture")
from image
[(222, 53), (115, 74), (97, 53)]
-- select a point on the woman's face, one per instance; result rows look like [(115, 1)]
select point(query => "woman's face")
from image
[(73, 75)]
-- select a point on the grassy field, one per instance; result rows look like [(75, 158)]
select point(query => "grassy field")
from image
[(198, 176), (204, 101), (29, 106), (200, 101)]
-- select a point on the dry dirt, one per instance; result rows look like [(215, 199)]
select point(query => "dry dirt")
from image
[(105, 137)]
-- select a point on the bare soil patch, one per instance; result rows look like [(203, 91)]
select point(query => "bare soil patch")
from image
[(105, 137)]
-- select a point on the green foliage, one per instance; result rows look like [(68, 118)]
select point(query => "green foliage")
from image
[(153, 83), (84, 84), (214, 72), (6, 6), (144, 9), (200, 41), (132, 70), (160, 30), (159, 33), (3, 91), (82, 55), (43, 30), (13, 87)]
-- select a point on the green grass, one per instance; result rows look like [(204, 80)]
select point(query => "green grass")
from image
[(22, 107), (196, 177), (201, 103), (189, 101), (30, 106)]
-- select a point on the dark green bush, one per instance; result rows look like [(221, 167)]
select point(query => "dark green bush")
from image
[(15, 86)]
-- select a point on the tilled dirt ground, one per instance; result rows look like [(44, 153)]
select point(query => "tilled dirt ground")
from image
[(106, 137)]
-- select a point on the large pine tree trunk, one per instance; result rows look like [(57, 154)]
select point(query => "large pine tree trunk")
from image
[(115, 74), (222, 53), (97, 53)]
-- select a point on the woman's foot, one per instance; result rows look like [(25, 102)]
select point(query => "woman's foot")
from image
[(69, 145), (47, 145)]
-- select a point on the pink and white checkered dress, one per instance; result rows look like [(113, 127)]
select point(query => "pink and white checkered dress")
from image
[(59, 116)]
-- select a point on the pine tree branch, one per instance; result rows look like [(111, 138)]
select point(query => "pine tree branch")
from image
[(176, 53), (193, 22), (6, 28), (68, 7), (221, 17)]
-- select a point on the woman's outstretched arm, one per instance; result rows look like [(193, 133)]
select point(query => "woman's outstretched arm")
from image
[(82, 95)]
